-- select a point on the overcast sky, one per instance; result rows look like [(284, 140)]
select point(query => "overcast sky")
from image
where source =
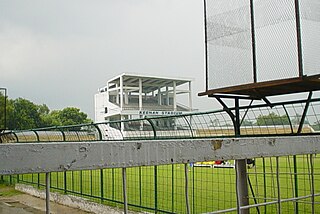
[(60, 52)]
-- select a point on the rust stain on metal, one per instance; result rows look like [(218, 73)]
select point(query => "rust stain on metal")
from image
[(272, 142), (139, 145), (82, 149), (216, 144)]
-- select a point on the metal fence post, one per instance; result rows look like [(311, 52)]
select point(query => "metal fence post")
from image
[(186, 187), (264, 184), (101, 184), (65, 181), (47, 192), (124, 187), (156, 189), (172, 186), (140, 187), (278, 185), (80, 174), (312, 184), (91, 182)]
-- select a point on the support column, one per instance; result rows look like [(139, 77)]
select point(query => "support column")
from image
[(159, 96), (140, 94), (140, 102), (121, 93), (108, 95), (122, 124), (174, 96), (117, 94), (167, 96), (242, 186), (126, 98), (190, 96), (241, 169)]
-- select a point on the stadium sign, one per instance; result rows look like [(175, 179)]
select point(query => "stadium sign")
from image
[(164, 113)]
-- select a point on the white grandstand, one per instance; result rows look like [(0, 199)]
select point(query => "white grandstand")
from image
[(131, 96)]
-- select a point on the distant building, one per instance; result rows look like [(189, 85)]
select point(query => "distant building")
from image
[(130, 96)]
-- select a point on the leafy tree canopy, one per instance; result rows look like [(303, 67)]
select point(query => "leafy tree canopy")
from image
[(24, 114), (272, 119)]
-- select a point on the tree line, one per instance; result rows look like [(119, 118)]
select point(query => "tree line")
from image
[(22, 114)]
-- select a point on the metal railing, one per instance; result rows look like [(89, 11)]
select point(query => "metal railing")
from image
[(276, 183), (283, 118)]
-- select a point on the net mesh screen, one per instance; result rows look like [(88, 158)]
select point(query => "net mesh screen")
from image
[(228, 43), (229, 40), (276, 40), (310, 31)]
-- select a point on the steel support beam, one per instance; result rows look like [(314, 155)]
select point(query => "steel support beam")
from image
[(62, 156)]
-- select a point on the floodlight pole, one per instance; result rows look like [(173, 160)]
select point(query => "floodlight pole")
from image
[(205, 42), (5, 107)]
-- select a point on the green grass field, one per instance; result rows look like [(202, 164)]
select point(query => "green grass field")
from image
[(162, 188)]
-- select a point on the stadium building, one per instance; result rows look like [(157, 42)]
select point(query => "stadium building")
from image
[(131, 96)]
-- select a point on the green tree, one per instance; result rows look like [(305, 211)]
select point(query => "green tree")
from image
[(23, 114), (272, 119), (2, 110), (68, 116)]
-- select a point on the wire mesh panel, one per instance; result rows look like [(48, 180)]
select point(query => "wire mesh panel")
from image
[(276, 39), (228, 43), (285, 184), (310, 31), (260, 41)]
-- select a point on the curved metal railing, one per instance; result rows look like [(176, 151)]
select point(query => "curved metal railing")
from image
[(282, 118)]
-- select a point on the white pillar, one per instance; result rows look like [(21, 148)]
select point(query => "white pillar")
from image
[(174, 96), (117, 95), (140, 94), (159, 96), (190, 96), (167, 95), (122, 124), (108, 96), (121, 92), (140, 102), (126, 98)]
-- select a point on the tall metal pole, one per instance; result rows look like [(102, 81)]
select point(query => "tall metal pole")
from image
[(253, 42), (299, 40), (5, 116), (206, 42), (5, 108)]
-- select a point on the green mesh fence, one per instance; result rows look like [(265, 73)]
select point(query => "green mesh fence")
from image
[(282, 118)]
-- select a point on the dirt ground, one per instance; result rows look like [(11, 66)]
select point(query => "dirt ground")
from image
[(14, 202)]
